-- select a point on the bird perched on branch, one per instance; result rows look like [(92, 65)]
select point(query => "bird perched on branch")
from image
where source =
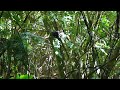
[(57, 34)]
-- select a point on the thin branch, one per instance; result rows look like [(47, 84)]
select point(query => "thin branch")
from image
[(98, 17), (26, 17), (55, 25), (85, 20), (117, 25)]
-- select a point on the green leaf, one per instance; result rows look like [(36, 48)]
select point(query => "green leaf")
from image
[(56, 43), (18, 76), (23, 76), (103, 51), (70, 45), (101, 33)]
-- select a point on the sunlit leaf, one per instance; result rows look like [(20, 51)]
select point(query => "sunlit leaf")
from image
[(103, 51)]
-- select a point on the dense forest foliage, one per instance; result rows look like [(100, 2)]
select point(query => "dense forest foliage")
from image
[(59, 45)]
